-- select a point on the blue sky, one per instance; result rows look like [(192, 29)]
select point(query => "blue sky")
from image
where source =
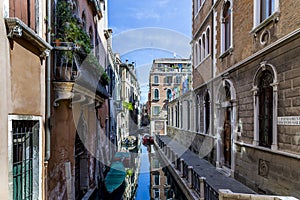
[(145, 30)]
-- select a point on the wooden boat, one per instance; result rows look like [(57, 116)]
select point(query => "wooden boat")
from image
[(148, 139), (115, 177), (129, 141)]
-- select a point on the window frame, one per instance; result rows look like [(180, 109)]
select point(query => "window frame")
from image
[(195, 53), (38, 176), (156, 96), (169, 92), (154, 79), (206, 112), (257, 22), (208, 40), (154, 109), (200, 58), (225, 49), (156, 192), (265, 66)]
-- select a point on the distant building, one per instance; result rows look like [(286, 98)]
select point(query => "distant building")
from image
[(169, 78), (130, 99), (145, 119)]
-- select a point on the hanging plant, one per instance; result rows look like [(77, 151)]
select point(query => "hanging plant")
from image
[(68, 29), (96, 68)]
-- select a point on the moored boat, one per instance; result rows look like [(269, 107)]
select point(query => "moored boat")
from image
[(148, 139), (115, 177), (129, 141)]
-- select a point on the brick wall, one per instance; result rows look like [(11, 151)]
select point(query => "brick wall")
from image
[(282, 167)]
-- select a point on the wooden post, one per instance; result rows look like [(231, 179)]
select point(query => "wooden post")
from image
[(190, 175), (201, 185), (181, 167)]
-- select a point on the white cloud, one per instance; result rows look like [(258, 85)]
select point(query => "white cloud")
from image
[(155, 38), (162, 2), (144, 14)]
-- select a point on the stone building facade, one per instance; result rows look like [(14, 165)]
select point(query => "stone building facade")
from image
[(81, 143), (245, 80), (169, 78), (130, 100), (24, 50)]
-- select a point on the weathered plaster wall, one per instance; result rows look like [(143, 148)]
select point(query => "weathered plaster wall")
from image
[(26, 93), (4, 102)]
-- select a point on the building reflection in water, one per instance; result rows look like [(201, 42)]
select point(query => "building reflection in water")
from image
[(162, 184), (132, 171), (146, 176)]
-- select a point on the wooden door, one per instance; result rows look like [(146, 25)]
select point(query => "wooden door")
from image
[(227, 139)]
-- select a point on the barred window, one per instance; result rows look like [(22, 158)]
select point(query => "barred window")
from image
[(24, 137)]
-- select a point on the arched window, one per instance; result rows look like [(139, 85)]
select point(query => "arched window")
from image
[(203, 46), (198, 114), (207, 41), (200, 50), (199, 4), (196, 54), (156, 94), (169, 94), (265, 93), (226, 26), (195, 7), (206, 112), (265, 116)]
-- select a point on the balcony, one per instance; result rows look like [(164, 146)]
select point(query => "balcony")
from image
[(74, 74), (66, 65)]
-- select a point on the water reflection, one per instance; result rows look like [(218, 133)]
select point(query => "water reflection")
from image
[(162, 184), (146, 177)]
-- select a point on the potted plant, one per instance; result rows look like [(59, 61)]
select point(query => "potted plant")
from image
[(69, 30), (95, 67)]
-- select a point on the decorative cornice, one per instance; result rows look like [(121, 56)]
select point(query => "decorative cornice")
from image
[(18, 31), (62, 91), (78, 98)]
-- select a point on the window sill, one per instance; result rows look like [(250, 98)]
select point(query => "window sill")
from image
[(226, 53), (203, 60), (272, 18), (284, 153)]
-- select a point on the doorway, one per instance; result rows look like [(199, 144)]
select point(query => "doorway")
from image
[(226, 137)]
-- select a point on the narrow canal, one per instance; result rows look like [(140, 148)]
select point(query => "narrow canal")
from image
[(147, 178)]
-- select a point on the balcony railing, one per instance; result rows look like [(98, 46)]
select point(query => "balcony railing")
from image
[(209, 192), (65, 62)]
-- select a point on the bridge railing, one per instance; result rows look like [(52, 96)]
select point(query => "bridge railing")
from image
[(195, 181)]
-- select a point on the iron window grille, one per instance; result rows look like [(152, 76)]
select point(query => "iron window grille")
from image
[(25, 158)]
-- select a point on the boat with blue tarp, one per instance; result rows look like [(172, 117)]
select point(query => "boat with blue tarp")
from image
[(115, 177)]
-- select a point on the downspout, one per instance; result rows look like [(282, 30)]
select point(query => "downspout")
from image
[(47, 120), (48, 83)]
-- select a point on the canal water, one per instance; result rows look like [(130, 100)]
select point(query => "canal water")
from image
[(147, 178), (155, 181)]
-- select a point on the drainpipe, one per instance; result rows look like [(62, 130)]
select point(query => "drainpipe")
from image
[(48, 82)]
